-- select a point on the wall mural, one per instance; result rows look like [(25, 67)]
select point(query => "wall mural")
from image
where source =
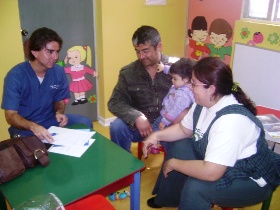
[(220, 32), (198, 34), (210, 28), (266, 37), (79, 84)]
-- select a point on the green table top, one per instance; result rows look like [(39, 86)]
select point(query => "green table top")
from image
[(70, 178)]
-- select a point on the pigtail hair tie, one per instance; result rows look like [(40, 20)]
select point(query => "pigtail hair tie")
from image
[(234, 87)]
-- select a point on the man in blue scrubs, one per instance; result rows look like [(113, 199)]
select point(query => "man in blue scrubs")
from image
[(35, 90)]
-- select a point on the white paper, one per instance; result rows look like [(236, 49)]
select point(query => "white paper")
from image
[(155, 2), (271, 126), (70, 137), (71, 151)]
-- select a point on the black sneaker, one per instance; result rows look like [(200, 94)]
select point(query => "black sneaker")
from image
[(151, 203)]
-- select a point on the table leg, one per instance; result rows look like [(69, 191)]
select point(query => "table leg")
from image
[(3, 205), (266, 203), (135, 193)]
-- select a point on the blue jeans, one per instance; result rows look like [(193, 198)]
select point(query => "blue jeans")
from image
[(194, 194), (156, 123), (72, 119), (156, 128), (123, 135), (76, 119)]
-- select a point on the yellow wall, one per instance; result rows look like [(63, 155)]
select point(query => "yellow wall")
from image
[(11, 51), (116, 22), (244, 32)]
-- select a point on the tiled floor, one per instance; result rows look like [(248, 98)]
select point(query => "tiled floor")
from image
[(149, 176)]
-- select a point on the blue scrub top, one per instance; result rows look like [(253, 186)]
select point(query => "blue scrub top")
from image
[(34, 101)]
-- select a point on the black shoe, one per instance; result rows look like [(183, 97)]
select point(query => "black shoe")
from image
[(76, 102), (83, 101), (152, 204)]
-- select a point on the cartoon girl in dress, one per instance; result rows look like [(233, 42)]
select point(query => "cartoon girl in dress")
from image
[(79, 85)]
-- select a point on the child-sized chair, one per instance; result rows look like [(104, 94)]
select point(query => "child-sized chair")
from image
[(94, 202)]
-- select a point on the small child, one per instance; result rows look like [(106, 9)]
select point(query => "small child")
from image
[(179, 96)]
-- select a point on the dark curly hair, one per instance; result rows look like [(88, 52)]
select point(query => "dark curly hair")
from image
[(39, 39), (182, 67)]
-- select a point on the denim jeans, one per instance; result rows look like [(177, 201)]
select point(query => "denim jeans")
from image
[(122, 135), (72, 119), (156, 128), (76, 119)]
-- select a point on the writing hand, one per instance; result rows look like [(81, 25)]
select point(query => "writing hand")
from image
[(42, 133)]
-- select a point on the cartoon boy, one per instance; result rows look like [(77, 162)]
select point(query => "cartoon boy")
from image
[(220, 32)]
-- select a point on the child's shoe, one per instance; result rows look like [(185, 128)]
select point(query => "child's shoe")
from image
[(154, 150)]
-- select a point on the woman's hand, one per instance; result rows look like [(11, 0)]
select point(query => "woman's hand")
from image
[(167, 167), (151, 141)]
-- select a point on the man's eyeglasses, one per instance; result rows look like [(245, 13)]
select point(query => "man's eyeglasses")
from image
[(194, 85)]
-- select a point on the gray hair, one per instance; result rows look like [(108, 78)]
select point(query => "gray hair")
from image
[(146, 34)]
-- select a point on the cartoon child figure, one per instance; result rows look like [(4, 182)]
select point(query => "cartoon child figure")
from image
[(79, 85), (220, 32), (198, 34)]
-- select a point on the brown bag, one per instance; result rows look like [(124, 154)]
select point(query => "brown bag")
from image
[(18, 152), (32, 151), (11, 165)]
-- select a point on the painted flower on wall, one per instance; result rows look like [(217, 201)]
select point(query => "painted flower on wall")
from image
[(92, 99), (244, 33), (273, 38)]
